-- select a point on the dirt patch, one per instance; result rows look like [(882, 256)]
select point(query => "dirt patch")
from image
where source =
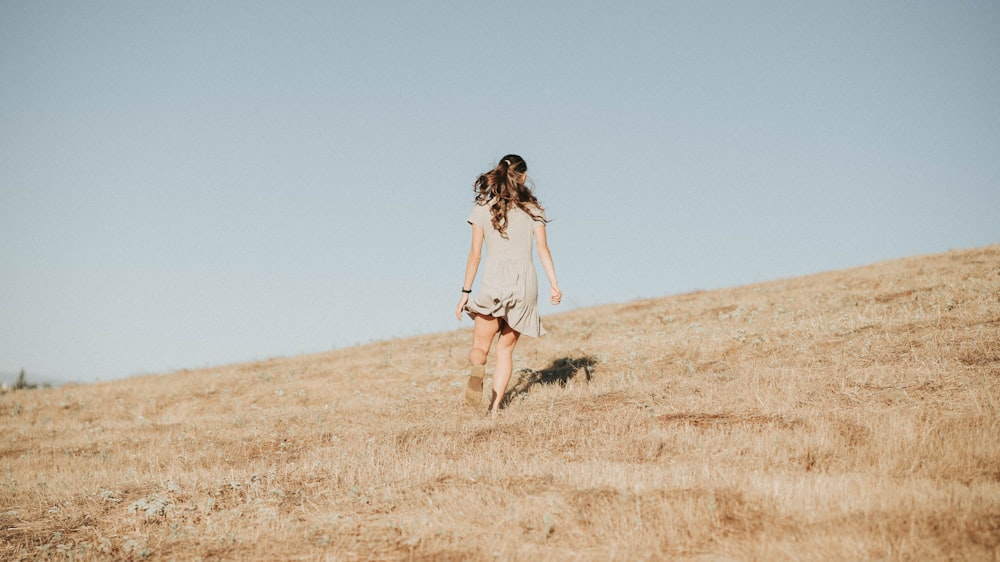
[(901, 295), (703, 419)]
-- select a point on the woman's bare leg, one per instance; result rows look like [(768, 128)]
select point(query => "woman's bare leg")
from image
[(505, 364), (482, 338)]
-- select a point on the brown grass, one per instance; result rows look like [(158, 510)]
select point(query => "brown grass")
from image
[(850, 415)]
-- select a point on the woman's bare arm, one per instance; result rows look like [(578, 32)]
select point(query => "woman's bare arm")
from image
[(471, 267), (545, 256)]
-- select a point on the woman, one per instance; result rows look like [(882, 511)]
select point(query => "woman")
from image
[(506, 216)]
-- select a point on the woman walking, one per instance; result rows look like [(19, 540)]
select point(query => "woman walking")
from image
[(506, 215)]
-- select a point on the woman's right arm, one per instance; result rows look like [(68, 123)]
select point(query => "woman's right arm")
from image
[(545, 256), (471, 267)]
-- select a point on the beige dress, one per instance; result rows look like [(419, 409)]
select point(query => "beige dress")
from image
[(509, 287)]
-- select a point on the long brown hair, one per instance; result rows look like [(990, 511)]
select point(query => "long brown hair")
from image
[(503, 184)]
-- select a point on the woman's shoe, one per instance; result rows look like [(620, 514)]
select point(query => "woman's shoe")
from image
[(474, 390)]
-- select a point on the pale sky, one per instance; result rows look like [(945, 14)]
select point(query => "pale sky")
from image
[(190, 184)]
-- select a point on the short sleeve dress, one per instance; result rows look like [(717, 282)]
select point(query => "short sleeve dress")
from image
[(509, 287)]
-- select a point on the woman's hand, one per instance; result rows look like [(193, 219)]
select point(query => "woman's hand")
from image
[(555, 295), (461, 304)]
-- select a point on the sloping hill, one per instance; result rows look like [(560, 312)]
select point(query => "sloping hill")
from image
[(848, 415)]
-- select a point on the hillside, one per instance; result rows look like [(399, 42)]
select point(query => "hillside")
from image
[(848, 415)]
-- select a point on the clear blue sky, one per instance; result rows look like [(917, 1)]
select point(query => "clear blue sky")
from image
[(186, 184)]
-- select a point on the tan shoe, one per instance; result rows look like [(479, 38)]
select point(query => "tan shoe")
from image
[(474, 390)]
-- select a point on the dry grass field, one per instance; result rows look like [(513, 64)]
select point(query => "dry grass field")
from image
[(849, 415)]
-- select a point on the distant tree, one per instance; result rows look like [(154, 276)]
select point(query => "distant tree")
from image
[(23, 383)]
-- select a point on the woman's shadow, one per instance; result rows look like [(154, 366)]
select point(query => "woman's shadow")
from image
[(560, 372)]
